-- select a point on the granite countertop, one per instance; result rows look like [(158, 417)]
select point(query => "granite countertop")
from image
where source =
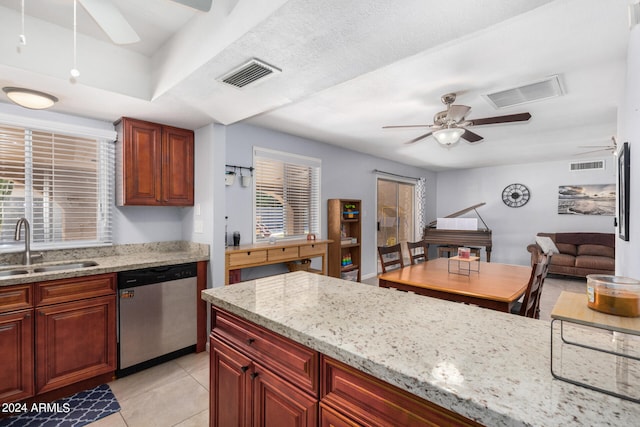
[(488, 366), (109, 260)]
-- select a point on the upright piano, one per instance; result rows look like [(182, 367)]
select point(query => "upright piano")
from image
[(479, 237)]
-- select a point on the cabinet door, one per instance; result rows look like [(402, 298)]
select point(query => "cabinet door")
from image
[(177, 166), (16, 356), (277, 403), (331, 418), (142, 145), (230, 384), (75, 341)]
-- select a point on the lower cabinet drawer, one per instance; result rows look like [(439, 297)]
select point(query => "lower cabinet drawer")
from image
[(282, 254), (299, 364), (238, 259), (65, 290), (15, 297), (369, 401)]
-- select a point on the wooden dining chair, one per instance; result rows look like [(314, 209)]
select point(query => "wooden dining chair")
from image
[(530, 305), (390, 256), (415, 255)]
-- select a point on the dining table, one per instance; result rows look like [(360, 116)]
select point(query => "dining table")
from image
[(491, 285)]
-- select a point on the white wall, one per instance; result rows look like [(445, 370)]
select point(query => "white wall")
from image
[(345, 174), (514, 228), (629, 131)]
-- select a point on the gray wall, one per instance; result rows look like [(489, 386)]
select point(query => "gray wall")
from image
[(629, 130), (514, 228), (345, 174)]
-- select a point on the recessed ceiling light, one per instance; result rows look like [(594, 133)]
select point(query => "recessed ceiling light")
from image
[(29, 98)]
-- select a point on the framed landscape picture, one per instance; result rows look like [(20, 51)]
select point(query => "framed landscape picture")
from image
[(623, 192), (590, 199)]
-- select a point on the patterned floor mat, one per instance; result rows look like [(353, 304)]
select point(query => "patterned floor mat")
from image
[(75, 411)]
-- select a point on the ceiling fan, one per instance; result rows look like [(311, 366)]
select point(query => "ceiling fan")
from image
[(612, 148), (114, 24), (450, 125)]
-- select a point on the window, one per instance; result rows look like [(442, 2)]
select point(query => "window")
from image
[(63, 184), (287, 195)]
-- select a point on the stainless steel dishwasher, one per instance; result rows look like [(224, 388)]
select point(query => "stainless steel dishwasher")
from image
[(156, 315)]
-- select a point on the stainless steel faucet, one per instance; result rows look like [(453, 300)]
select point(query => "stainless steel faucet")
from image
[(26, 257)]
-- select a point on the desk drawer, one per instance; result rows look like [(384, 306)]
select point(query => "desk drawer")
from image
[(283, 254), (238, 259), (311, 250), (295, 362)]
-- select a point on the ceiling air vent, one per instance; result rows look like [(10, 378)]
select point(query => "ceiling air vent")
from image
[(584, 166), (249, 74), (536, 91)]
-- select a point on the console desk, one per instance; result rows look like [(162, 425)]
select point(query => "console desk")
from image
[(259, 254)]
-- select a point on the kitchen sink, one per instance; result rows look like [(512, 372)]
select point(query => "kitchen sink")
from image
[(67, 266), (12, 272)]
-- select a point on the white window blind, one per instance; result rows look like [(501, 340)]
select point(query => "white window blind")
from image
[(287, 195), (63, 184)]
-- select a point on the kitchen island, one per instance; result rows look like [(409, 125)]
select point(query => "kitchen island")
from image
[(488, 367)]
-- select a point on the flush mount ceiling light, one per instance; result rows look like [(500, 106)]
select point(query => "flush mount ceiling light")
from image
[(448, 136), (29, 98)]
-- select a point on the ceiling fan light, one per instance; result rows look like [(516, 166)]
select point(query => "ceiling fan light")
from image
[(448, 136), (29, 98)]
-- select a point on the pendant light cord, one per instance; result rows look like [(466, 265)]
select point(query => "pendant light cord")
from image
[(22, 38), (74, 72)]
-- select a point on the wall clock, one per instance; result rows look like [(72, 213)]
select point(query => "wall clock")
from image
[(515, 195)]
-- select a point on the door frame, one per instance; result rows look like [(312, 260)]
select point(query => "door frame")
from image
[(403, 180)]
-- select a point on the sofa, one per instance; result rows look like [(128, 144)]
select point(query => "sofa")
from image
[(580, 254)]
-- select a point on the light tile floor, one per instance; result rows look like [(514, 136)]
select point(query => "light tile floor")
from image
[(175, 393)]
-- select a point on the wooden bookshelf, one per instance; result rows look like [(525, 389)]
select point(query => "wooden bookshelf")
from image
[(345, 232)]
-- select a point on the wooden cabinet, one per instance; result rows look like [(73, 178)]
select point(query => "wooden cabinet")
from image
[(154, 164), (16, 357), (259, 378), (356, 398), (230, 390), (277, 402), (75, 341), (345, 232), (69, 337)]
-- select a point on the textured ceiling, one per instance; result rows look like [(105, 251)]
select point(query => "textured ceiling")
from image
[(348, 68)]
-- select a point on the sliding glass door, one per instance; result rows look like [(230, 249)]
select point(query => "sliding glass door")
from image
[(396, 216)]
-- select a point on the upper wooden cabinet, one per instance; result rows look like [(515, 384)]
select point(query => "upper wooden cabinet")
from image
[(154, 164)]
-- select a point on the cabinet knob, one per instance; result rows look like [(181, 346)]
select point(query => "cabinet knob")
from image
[(251, 341), (244, 368), (254, 375)]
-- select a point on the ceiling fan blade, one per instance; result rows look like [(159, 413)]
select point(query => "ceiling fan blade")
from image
[(608, 147), (593, 151), (520, 117), (203, 5), (406, 126), (109, 18), (457, 112), (418, 138), (471, 137)]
